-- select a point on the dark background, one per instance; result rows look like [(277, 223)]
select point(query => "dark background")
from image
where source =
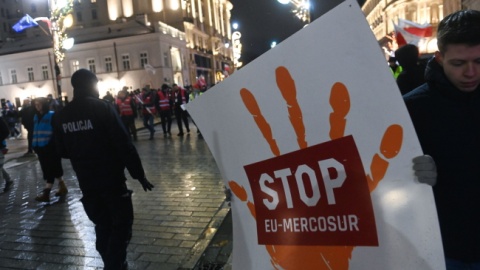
[(263, 21)]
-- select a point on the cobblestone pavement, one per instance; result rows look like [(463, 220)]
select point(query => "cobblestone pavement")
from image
[(173, 224)]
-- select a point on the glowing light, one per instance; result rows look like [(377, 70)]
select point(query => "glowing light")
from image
[(174, 5), (157, 6), (68, 43), (127, 8), (273, 44), (113, 9), (235, 26), (68, 21), (284, 2)]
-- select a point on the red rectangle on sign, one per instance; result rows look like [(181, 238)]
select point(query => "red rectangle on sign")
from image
[(315, 196)]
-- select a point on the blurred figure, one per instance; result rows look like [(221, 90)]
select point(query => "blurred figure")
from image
[(108, 97), (127, 109), (164, 109), (394, 67), (44, 146), (4, 132), (53, 103), (90, 133), (149, 98), (180, 98), (412, 75), (196, 92), (26, 115), (11, 116)]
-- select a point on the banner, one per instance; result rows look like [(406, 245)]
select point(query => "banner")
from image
[(408, 32), (316, 145)]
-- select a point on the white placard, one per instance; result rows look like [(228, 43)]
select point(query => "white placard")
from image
[(316, 144)]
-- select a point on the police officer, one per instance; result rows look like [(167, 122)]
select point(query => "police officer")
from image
[(89, 132)]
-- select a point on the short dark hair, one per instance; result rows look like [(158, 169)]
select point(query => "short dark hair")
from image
[(461, 27)]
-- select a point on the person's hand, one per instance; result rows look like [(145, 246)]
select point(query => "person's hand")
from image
[(425, 170), (228, 194), (145, 184)]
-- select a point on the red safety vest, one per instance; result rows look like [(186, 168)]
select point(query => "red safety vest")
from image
[(163, 101), (148, 100), (125, 107)]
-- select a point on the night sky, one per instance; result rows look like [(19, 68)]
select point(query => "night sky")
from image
[(263, 21)]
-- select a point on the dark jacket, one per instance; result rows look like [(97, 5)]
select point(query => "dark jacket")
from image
[(27, 113), (90, 133), (412, 75), (447, 122)]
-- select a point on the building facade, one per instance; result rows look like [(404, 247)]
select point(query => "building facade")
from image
[(129, 43), (382, 14)]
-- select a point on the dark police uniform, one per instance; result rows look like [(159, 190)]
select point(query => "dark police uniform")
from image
[(89, 132)]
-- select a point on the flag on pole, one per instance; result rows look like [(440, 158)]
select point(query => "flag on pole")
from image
[(24, 23), (408, 32), (45, 20), (149, 68)]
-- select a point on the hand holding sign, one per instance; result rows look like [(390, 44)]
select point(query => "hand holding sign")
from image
[(315, 193)]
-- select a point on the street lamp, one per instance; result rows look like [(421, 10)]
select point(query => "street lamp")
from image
[(301, 8)]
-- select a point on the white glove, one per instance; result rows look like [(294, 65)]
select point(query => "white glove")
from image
[(425, 170)]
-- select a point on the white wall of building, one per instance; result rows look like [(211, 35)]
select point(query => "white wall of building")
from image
[(157, 47)]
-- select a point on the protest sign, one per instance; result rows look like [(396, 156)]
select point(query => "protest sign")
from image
[(316, 144)]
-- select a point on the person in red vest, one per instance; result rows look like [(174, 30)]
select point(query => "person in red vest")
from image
[(148, 109), (127, 109), (181, 97), (164, 109)]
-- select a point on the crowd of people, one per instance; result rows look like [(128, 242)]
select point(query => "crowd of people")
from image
[(166, 102)]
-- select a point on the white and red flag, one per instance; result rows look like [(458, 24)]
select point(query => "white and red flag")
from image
[(408, 32)]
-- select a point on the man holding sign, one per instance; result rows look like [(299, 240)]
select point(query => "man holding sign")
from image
[(446, 115)]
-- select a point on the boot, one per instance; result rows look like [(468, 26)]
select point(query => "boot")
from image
[(62, 189), (44, 197)]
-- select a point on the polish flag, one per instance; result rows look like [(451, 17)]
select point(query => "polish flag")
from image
[(408, 32)]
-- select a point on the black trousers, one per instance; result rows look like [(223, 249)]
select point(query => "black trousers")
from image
[(129, 123), (181, 115), (112, 213), (166, 119), (50, 162)]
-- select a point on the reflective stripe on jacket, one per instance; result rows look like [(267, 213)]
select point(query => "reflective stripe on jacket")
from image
[(125, 106), (163, 101), (42, 130)]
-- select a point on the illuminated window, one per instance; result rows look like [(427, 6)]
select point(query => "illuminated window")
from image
[(75, 65), (13, 76), (108, 64), (91, 65), (174, 5), (126, 61), (45, 72), (31, 78), (143, 59), (166, 59)]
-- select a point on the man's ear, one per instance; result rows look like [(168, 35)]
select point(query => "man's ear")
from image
[(439, 58)]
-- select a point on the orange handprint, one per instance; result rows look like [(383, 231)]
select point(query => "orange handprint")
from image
[(333, 255)]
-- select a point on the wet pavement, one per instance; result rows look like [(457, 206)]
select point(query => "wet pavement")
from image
[(174, 224)]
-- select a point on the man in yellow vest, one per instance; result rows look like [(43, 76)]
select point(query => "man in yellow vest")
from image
[(394, 67)]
